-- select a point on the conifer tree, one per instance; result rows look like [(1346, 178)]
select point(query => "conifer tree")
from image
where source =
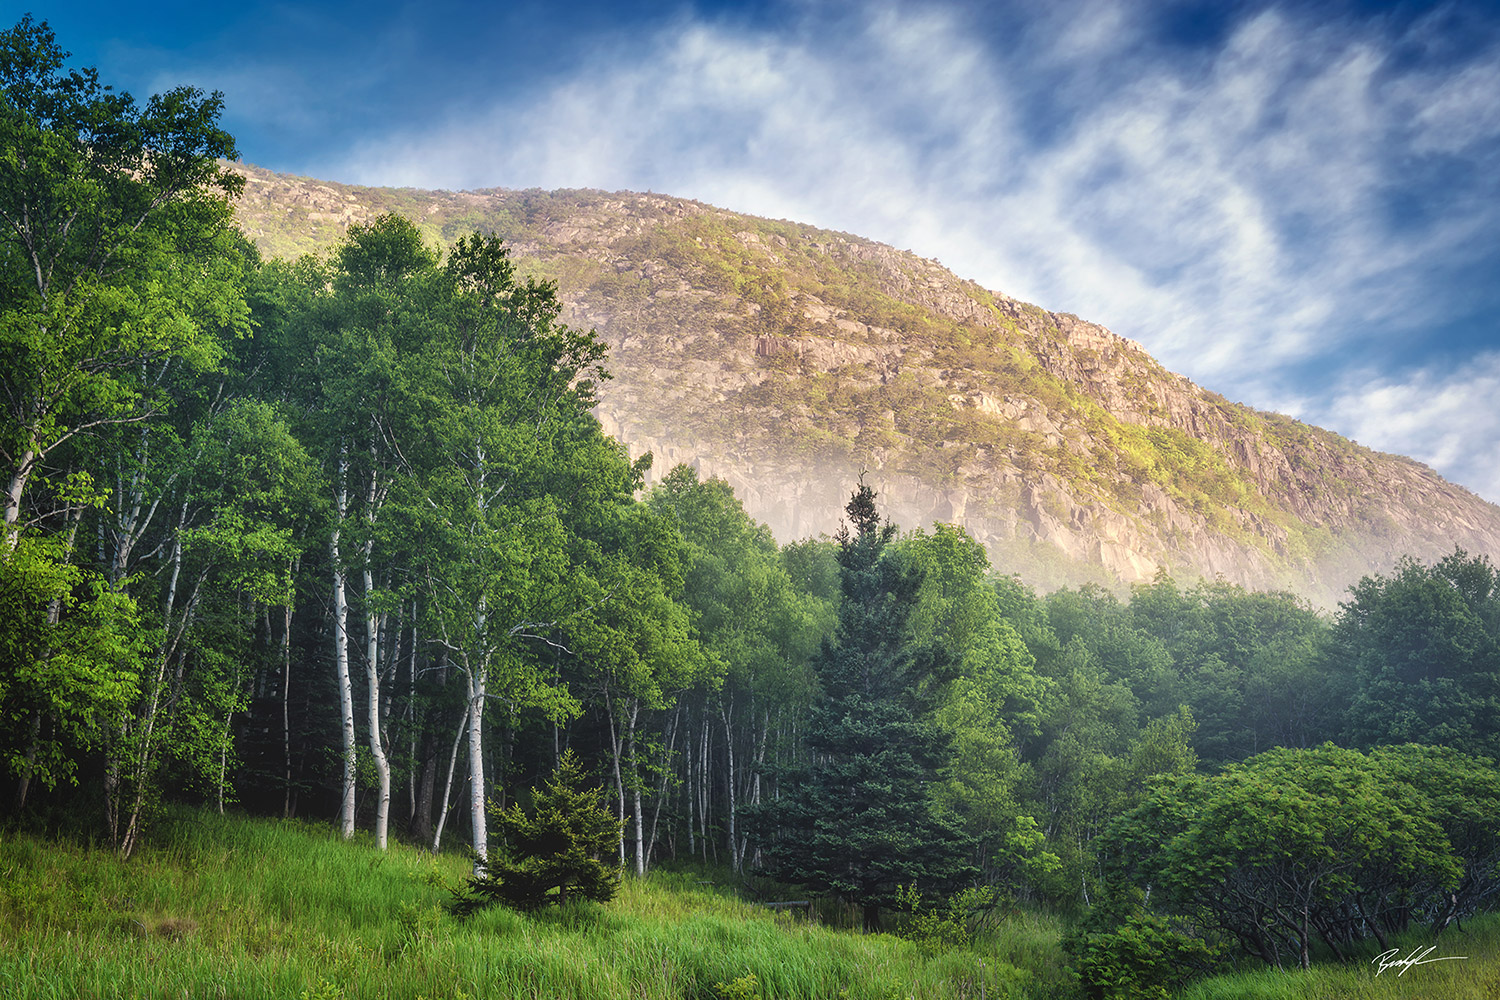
[(859, 822), (552, 854)]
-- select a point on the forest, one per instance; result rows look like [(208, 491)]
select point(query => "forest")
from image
[(339, 540)]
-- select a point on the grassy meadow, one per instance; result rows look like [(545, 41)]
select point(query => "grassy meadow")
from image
[(252, 908)]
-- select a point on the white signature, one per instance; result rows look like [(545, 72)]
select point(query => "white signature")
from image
[(1388, 959)]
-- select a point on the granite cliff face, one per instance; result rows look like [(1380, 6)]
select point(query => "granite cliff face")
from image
[(787, 359)]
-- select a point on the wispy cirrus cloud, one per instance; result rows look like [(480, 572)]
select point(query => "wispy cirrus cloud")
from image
[(1300, 200), (1445, 417)]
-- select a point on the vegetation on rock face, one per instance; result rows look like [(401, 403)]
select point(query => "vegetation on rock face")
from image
[(780, 351)]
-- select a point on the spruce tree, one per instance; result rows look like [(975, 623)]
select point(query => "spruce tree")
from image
[(551, 854), (858, 822)]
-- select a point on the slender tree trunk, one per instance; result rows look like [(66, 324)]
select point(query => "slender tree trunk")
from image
[(614, 751), (661, 785), (34, 740), (421, 816), (458, 738), (224, 761), (372, 685), (734, 847), (286, 710), (476, 686), (690, 793), (760, 763), (705, 790), (33, 745), (373, 622), (635, 792), (1304, 954), (412, 720), (143, 753), (346, 693), (13, 494), (341, 653)]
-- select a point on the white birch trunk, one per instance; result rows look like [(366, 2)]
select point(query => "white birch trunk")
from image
[(458, 738), (704, 789), (286, 710), (661, 785), (372, 685), (690, 792), (411, 716), (476, 770), (13, 493), (143, 755), (341, 653), (635, 789), (734, 845), (760, 764), (614, 750), (373, 503)]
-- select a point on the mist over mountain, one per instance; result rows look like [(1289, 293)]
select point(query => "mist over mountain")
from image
[(788, 360)]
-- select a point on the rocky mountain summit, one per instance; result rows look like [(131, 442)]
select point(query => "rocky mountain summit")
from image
[(788, 359)]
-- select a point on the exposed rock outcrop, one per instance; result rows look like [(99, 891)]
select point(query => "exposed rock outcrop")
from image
[(787, 359)]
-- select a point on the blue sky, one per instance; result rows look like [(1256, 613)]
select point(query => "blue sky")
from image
[(1296, 205)]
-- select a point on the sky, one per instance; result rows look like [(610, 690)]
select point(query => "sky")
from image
[(1297, 205)]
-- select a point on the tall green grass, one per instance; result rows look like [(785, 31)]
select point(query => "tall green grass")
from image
[(1473, 973), (256, 908), (236, 908)]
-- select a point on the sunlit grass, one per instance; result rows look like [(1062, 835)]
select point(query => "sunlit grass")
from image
[(1472, 974), (246, 908), (255, 908)]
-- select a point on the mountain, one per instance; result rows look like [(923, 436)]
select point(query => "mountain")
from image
[(787, 359)]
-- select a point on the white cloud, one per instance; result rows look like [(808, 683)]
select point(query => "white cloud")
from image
[(1446, 418), (1454, 113)]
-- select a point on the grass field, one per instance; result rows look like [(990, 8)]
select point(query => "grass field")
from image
[(250, 908), (1466, 967)]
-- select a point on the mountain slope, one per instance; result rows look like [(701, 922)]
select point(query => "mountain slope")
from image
[(787, 359)]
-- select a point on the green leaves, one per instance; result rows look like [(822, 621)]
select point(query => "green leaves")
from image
[(116, 253), (72, 650), (1297, 844), (120, 278), (755, 627), (1421, 651)]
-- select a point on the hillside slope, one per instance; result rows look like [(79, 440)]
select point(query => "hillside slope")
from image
[(786, 359)]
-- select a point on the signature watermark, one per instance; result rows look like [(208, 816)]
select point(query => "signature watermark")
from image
[(1391, 960)]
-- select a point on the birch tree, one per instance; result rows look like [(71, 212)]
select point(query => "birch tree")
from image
[(359, 320), (758, 630), (115, 250), (636, 645), (502, 382), (227, 547), (117, 263)]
